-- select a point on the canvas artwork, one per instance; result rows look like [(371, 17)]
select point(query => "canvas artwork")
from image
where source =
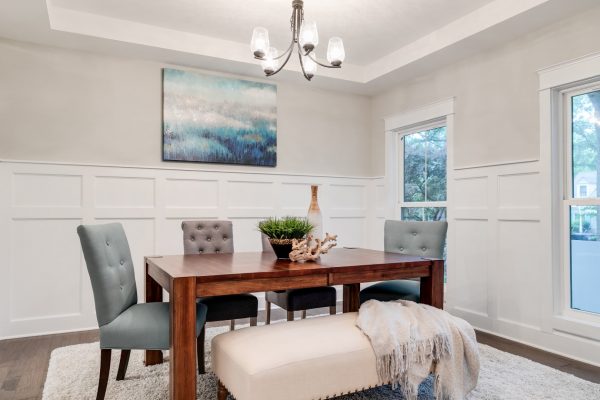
[(215, 119)]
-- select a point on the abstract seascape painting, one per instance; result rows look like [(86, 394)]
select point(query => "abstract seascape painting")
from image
[(214, 119)]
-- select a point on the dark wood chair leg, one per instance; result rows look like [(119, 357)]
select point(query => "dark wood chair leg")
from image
[(123, 363), (200, 351), (332, 310), (268, 307), (290, 315), (253, 321), (232, 325), (303, 314), (222, 392), (104, 371)]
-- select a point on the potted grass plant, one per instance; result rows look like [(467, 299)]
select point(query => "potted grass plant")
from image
[(281, 232)]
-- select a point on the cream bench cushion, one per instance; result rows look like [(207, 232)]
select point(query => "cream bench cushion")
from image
[(307, 359)]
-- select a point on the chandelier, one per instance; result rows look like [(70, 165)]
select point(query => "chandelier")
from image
[(305, 38)]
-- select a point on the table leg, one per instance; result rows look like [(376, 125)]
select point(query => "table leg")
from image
[(351, 297), (153, 293), (183, 339), (432, 287)]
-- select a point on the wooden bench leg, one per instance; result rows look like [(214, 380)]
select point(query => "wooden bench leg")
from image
[(268, 307), (232, 325), (332, 310), (253, 321), (303, 314), (222, 392), (290, 315)]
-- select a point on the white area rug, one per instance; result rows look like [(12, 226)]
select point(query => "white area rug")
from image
[(73, 374)]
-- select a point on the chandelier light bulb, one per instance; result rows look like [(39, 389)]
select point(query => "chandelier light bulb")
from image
[(335, 51), (309, 36), (270, 62), (260, 42), (310, 67)]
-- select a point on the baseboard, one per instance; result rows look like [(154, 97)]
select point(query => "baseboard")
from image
[(49, 333), (538, 347)]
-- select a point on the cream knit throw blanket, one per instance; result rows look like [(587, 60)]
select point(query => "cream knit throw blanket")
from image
[(413, 340)]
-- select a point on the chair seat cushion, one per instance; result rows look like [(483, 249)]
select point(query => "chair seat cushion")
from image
[(143, 326), (392, 290), (315, 358), (303, 299), (221, 308)]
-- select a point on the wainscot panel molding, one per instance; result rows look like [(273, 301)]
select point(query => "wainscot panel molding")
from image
[(498, 264), (45, 286)]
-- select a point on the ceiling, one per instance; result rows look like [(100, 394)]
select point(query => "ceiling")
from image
[(386, 41)]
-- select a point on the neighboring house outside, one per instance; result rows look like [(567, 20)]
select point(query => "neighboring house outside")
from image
[(585, 184), (584, 221)]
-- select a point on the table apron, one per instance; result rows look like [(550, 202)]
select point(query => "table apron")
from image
[(237, 286), (340, 278)]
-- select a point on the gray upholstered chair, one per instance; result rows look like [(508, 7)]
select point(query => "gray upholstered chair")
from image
[(293, 300), (207, 237), (415, 238), (124, 324)]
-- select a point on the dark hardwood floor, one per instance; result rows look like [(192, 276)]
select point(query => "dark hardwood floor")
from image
[(24, 362)]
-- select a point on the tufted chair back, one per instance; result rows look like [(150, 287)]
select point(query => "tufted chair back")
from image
[(415, 238), (207, 236), (109, 265)]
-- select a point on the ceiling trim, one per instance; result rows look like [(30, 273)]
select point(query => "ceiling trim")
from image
[(94, 25), (469, 25)]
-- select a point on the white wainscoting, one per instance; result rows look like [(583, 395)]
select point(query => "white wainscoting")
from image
[(45, 286), (497, 256), (498, 272)]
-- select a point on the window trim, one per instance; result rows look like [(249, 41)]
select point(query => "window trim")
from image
[(432, 113), (552, 80)]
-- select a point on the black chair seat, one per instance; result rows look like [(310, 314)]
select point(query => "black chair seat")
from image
[(303, 299), (392, 290), (235, 306)]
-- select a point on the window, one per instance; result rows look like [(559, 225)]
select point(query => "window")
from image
[(581, 204), (423, 173)]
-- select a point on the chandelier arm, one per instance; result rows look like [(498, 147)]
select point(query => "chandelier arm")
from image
[(282, 65), (310, 55), (302, 65), (290, 49), (284, 53)]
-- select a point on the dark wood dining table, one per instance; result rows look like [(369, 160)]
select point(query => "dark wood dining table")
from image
[(187, 277)]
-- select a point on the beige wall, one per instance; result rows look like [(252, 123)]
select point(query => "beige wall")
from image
[(61, 105), (496, 91), (68, 106)]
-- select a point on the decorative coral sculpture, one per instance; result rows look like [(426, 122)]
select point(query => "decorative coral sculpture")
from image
[(309, 250)]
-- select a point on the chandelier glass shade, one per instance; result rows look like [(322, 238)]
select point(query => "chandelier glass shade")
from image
[(305, 38)]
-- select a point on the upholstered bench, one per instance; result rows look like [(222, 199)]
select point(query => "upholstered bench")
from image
[(308, 359)]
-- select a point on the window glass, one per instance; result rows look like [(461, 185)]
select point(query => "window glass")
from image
[(585, 143), (424, 213), (584, 215), (425, 165)]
